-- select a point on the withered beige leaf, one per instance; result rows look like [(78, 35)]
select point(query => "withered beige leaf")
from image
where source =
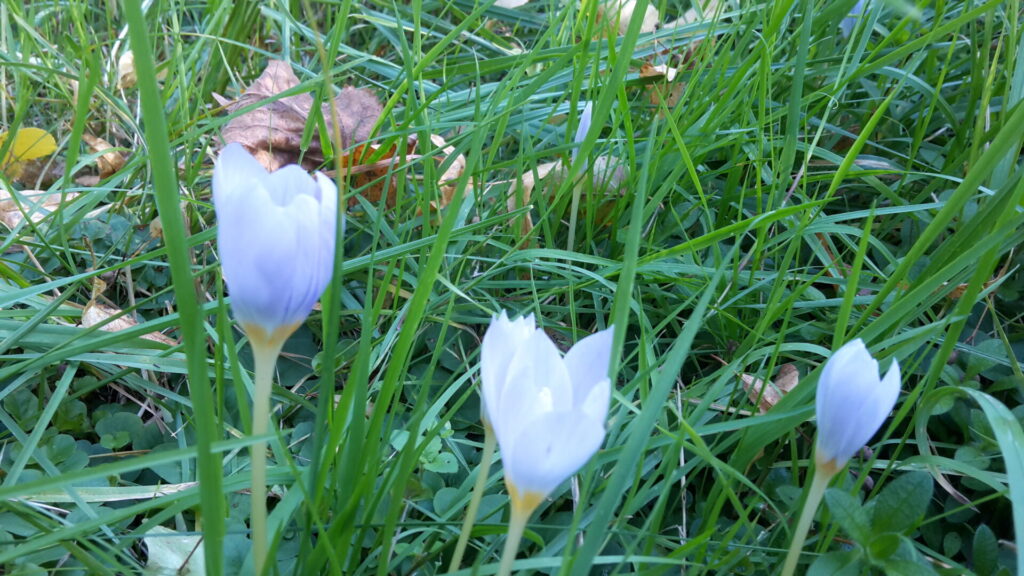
[(768, 394), (787, 378), (620, 13), (110, 159), (273, 130), (126, 70), (657, 71), (522, 189), (96, 313), (452, 173), (607, 177), (692, 16), (37, 204)]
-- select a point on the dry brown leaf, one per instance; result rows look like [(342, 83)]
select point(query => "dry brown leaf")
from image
[(37, 204), (96, 313), (768, 394), (671, 97), (787, 378), (657, 71), (110, 160), (273, 131), (41, 172), (367, 167), (126, 71)]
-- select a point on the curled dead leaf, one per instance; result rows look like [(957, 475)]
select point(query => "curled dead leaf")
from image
[(36, 204), (453, 172), (116, 321), (768, 394), (657, 71), (366, 167), (522, 190), (272, 131), (110, 159), (126, 71), (693, 16), (156, 228)]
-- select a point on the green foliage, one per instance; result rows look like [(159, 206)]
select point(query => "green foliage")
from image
[(881, 528)]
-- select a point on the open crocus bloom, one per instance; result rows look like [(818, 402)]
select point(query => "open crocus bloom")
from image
[(276, 240), (548, 412), (852, 403)]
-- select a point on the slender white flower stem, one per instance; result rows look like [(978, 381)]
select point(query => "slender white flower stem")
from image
[(265, 352), (474, 500), (516, 525), (822, 475)]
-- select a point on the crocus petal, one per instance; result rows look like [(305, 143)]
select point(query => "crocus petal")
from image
[(235, 172), (275, 238), (289, 183), (547, 412), (852, 402), (588, 362), (501, 341), (550, 449), (581, 131), (847, 24), (537, 383)]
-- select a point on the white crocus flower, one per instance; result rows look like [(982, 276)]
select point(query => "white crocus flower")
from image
[(852, 403), (547, 411), (275, 235)]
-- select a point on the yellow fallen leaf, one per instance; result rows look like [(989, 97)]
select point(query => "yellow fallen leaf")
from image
[(28, 144)]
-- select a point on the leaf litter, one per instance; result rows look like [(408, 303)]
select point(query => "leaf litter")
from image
[(271, 120)]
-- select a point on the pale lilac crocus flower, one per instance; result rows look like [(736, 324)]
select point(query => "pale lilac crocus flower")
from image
[(275, 235), (853, 401), (547, 411)]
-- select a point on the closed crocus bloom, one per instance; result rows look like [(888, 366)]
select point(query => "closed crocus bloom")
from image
[(275, 234), (852, 403), (548, 412), (276, 240)]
